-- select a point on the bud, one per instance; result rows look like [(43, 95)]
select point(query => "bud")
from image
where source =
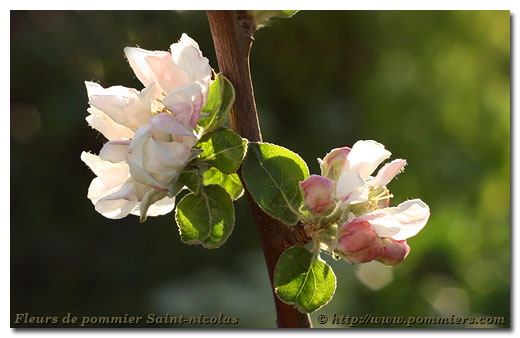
[(394, 252), (332, 164), (358, 243), (318, 194)]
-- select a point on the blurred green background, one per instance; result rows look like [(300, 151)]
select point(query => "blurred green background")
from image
[(433, 87)]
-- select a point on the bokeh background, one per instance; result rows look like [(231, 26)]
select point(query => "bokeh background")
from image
[(433, 87)]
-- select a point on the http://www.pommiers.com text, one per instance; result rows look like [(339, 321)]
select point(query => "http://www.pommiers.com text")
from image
[(370, 319), (152, 319)]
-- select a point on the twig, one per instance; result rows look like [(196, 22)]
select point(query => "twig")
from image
[(232, 33)]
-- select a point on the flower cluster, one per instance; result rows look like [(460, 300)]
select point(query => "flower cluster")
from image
[(150, 132), (350, 208)]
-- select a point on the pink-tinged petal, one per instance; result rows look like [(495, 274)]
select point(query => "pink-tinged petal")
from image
[(123, 105), (137, 58), (358, 243), (366, 156), (401, 222), (333, 163), (106, 126), (187, 56), (170, 125), (387, 173), (168, 76), (111, 174), (114, 151), (351, 188), (318, 193), (185, 103), (394, 252)]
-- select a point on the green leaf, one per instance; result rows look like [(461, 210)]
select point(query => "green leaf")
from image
[(272, 174), (221, 97), (222, 149), (299, 281), (262, 17), (206, 218), (190, 178), (231, 182)]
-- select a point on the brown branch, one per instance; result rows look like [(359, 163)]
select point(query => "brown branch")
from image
[(232, 33)]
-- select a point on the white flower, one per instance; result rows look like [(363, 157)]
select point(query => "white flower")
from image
[(170, 70), (372, 230), (401, 222), (150, 132), (159, 151), (354, 182), (115, 194)]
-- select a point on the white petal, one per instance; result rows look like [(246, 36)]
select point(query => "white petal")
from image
[(401, 222), (115, 209), (165, 160), (125, 106), (187, 56), (106, 126), (185, 103), (112, 174), (168, 124), (365, 156), (161, 207), (98, 190), (137, 59), (93, 88), (114, 151), (136, 158), (168, 75), (120, 203), (387, 173), (351, 188)]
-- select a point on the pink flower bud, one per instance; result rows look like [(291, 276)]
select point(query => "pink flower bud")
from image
[(394, 252), (358, 243), (318, 194), (333, 162)]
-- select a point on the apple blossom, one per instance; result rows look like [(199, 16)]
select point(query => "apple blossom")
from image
[(151, 132), (332, 164), (115, 194), (372, 230), (157, 153), (168, 71), (393, 252), (318, 194), (358, 242), (391, 225)]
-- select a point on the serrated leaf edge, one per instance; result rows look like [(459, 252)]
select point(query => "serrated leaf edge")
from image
[(297, 306), (306, 167)]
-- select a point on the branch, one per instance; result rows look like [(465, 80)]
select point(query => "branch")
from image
[(232, 33)]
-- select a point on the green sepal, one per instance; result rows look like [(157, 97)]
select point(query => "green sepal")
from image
[(152, 196)]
